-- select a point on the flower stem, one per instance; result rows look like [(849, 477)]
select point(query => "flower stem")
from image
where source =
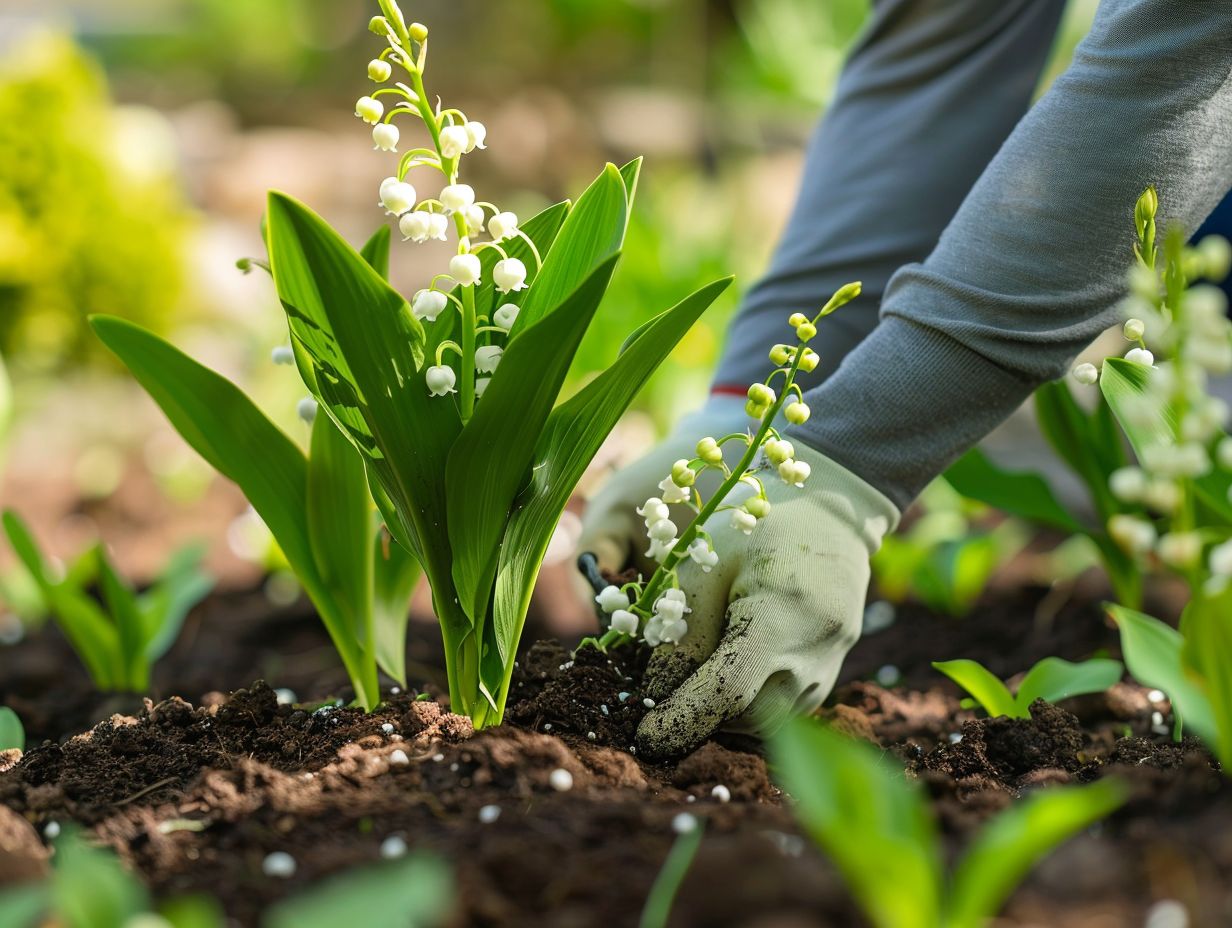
[(468, 353)]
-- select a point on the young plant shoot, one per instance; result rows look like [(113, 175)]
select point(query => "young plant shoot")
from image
[(119, 639), (1051, 679), (655, 609), (12, 733)]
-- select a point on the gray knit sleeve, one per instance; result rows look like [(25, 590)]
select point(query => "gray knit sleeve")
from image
[(1031, 267)]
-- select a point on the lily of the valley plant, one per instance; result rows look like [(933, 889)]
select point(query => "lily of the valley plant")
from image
[(447, 403), (655, 608)]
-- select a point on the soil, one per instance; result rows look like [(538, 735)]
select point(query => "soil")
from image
[(194, 795)]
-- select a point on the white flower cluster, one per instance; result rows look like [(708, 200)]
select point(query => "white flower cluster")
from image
[(453, 135), (666, 625)]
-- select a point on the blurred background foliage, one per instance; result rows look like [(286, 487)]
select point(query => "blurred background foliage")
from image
[(138, 139)]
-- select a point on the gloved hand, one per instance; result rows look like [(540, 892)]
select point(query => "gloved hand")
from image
[(773, 621), (611, 527)]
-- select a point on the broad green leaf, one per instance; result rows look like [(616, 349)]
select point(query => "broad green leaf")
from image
[(1075, 439), (1122, 383), (1153, 655), (23, 906), (630, 173), (987, 690), (167, 603), (89, 886), (376, 251), (1019, 838), (396, 575), (1024, 495), (490, 461), (591, 234), (1053, 679), (874, 825), (340, 529), (1207, 655), (12, 734), (224, 427), (415, 892), (130, 625), (85, 626), (571, 438)]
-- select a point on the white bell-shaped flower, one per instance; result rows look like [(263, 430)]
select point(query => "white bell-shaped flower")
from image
[(625, 622), (1140, 356), (379, 71), (611, 598), (397, 197), (474, 218), (465, 269), (441, 379), (673, 494), (1127, 484), (454, 141), (662, 530), (669, 608), (428, 304), (502, 226), (674, 630), (505, 316), (652, 634), (509, 274), (369, 109), (481, 384), (659, 550), (744, 521), (457, 197), (779, 450), (1131, 533), (476, 133), (283, 355), (703, 555), (1179, 549), (1086, 373), (676, 595), (415, 226), (306, 409), (794, 473), (438, 226), (385, 137), (653, 510), (797, 413), (487, 357)]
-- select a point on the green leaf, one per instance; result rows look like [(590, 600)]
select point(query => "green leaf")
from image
[(1153, 656), (376, 251), (571, 438), (12, 734), (491, 459), (1053, 679), (193, 912), (181, 585), (989, 691), (1024, 495), (396, 574), (90, 888), (1017, 839), (415, 892), (1122, 383), (340, 529), (23, 906), (130, 624), (1206, 656), (873, 825), (658, 907), (1073, 436)]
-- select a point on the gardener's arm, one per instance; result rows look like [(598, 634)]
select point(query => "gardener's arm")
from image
[(1027, 273)]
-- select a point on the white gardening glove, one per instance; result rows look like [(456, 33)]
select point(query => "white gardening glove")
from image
[(611, 528), (773, 621)]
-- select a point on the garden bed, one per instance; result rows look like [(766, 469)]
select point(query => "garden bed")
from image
[(329, 786)]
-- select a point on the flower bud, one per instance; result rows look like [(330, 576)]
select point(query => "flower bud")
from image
[(505, 316), (418, 32), (457, 197), (1180, 549), (796, 413), (1162, 496), (465, 269), (1146, 208), (663, 530), (779, 450), (703, 555), (1086, 373), (476, 132), (1134, 329), (743, 521), (369, 109), (378, 25), (844, 295), (379, 71), (415, 226), (1221, 559), (397, 197), (509, 274), (780, 355), (385, 137), (795, 320), (757, 506), (709, 451), (624, 621), (1128, 484), (755, 410), (428, 304), (1216, 254), (306, 409), (1131, 533), (487, 357), (809, 361), (282, 355), (1140, 356), (762, 395), (440, 379), (805, 331), (502, 226), (653, 510), (438, 226), (1223, 453), (612, 598), (453, 141), (682, 474)]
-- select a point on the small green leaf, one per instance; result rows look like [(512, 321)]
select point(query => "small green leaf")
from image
[(658, 907), (396, 575), (122, 605), (12, 734), (1123, 383), (1086, 443), (989, 691), (89, 886), (1024, 495), (22, 906), (165, 605), (1017, 839), (1206, 656), (1053, 679), (376, 251)]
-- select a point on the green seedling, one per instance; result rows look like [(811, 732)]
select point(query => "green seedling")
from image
[(450, 404), (12, 733), (120, 637), (658, 907), (1052, 679), (879, 831)]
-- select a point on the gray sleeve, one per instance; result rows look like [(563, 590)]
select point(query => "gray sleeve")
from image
[(926, 99), (1030, 269)]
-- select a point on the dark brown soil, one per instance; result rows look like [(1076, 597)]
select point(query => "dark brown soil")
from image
[(195, 796)]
